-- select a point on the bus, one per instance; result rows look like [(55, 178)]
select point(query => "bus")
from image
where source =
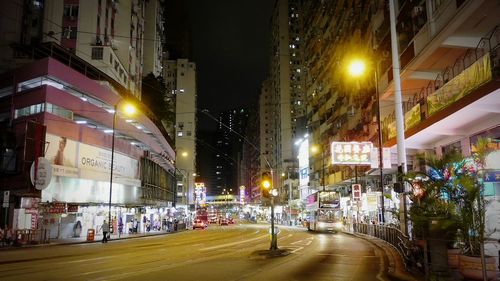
[(323, 211)]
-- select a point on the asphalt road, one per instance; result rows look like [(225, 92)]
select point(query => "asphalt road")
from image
[(232, 252)]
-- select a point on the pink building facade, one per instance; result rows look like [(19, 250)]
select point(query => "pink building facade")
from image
[(50, 110)]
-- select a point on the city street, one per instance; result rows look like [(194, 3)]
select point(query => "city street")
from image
[(232, 252)]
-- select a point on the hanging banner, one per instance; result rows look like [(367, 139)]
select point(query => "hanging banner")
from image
[(461, 85), (412, 117)]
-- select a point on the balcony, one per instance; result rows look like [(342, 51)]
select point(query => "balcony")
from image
[(472, 78)]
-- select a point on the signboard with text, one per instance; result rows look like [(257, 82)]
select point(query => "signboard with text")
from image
[(356, 192), (351, 153)]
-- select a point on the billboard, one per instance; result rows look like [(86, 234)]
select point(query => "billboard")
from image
[(78, 160), (303, 157), (351, 153)]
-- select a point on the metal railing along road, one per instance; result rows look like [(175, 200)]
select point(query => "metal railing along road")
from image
[(394, 237)]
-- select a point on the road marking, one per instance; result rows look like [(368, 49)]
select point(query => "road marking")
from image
[(302, 242), (84, 260), (296, 250), (233, 243)]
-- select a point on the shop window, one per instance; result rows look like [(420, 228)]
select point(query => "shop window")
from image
[(456, 146), (492, 134)]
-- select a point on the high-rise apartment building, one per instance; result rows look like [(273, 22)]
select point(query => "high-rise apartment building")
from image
[(229, 139), (287, 77), (154, 38), (249, 166), (180, 82)]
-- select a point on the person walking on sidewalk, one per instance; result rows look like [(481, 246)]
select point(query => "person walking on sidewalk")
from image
[(105, 231)]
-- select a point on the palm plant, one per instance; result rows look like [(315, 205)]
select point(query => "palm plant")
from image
[(470, 201), (432, 212)]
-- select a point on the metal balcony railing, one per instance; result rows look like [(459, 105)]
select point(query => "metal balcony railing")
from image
[(487, 46)]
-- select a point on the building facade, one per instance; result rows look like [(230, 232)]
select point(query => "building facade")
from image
[(449, 84), (68, 68), (71, 127), (180, 83), (287, 80)]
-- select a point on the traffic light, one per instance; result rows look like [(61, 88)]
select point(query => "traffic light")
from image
[(266, 184)]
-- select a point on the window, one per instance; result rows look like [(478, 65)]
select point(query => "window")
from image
[(29, 110), (70, 11), (70, 32), (97, 53)]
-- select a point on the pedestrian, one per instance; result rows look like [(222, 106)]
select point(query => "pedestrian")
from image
[(105, 231), (120, 226), (2, 237), (136, 225), (9, 236)]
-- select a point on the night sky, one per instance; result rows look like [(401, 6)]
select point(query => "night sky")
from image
[(230, 44)]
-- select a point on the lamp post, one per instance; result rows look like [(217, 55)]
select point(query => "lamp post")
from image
[(129, 110), (356, 69), (269, 192)]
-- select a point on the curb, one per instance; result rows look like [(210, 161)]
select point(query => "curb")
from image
[(396, 268), (52, 244)]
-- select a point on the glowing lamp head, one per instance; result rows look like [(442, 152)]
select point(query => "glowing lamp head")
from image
[(129, 109), (266, 184), (357, 68)]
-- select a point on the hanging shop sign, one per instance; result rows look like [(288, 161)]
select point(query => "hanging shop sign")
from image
[(72, 208), (54, 208), (356, 192), (351, 153)]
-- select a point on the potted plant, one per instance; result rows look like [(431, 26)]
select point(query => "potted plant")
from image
[(472, 207), (433, 215)]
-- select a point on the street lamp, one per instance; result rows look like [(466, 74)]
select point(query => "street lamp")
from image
[(315, 150), (268, 191), (357, 68), (129, 110)]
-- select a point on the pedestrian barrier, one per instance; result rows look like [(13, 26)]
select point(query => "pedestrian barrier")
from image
[(394, 237), (32, 236)]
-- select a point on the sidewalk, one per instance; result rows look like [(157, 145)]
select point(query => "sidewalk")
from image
[(97, 239), (396, 267)]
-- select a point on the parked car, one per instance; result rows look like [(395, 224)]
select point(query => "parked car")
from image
[(199, 224), (230, 221), (223, 222)]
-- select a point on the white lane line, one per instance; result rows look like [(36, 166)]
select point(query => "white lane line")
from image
[(84, 260), (298, 249), (302, 242), (233, 243)]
